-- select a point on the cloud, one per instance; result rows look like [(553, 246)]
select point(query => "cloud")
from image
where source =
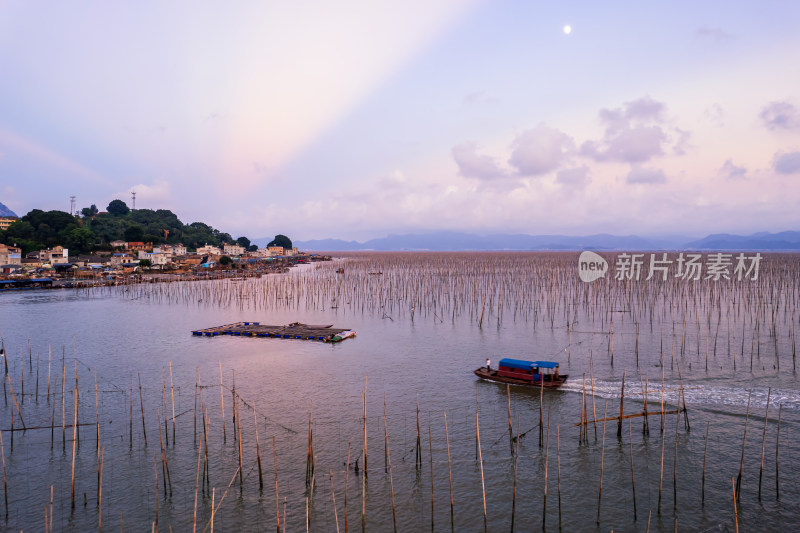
[(540, 150), (787, 162), (731, 171), (634, 133), (471, 164), (155, 196), (645, 175), (780, 116), (574, 177)]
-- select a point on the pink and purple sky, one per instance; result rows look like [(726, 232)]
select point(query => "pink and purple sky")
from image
[(355, 119)]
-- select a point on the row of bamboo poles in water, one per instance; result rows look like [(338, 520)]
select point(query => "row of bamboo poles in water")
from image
[(59, 383), (731, 316)]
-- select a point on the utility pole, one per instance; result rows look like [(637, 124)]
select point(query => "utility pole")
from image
[(133, 196)]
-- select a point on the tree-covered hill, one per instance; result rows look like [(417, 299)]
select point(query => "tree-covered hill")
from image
[(95, 231)]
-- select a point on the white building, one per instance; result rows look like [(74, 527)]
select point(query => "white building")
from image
[(58, 254), (10, 255), (233, 249), (209, 250), (155, 258), (118, 259)]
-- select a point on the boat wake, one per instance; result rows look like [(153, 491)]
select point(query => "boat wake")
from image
[(694, 394)]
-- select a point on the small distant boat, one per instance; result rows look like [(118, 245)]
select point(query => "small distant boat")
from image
[(529, 373), (310, 326), (338, 337)]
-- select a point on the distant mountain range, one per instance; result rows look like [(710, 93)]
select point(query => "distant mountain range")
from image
[(457, 241), (6, 212)]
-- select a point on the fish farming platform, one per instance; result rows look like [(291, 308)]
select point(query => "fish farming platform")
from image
[(296, 330)]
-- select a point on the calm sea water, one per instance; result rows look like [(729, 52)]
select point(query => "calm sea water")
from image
[(126, 338)]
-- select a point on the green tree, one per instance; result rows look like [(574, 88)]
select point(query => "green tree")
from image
[(118, 208), (281, 240), (89, 212), (225, 260), (244, 242), (146, 263), (80, 240), (134, 233)]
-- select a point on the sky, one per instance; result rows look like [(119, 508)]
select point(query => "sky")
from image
[(356, 119)]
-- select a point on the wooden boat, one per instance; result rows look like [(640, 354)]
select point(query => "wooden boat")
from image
[(310, 326), (338, 337), (530, 373)]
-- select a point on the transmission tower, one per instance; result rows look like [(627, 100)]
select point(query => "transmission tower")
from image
[(71, 205), (133, 197)]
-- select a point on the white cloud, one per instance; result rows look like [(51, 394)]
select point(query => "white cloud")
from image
[(731, 171), (635, 133), (540, 150), (155, 196), (787, 162), (780, 116), (471, 164)]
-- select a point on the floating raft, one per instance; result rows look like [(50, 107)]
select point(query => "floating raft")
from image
[(296, 330)]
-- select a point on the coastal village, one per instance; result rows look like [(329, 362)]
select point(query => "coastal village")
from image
[(138, 261)]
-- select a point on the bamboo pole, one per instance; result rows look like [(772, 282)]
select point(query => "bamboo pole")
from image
[(546, 462), (141, 405), (389, 460), (633, 481), (763, 443), (258, 452), (449, 468), (172, 394), (100, 493), (777, 442), (735, 508), (705, 454), (196, 485), (621, 405), (74, 443), (333, 499), (222, 404), (558, 457), (602, 460), (480, 459), (744, 438)]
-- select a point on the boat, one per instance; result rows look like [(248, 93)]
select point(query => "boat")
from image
[(338, 337), (530, 373)]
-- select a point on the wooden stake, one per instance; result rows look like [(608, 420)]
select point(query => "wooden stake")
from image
[(258, 451), (602, 459), (777, 442), (763, 443), (74, 442), (449, 468), (222, 404), (333, 499), (633, 481), (141, 404), (480, 459), (705, 454), (744, 438)]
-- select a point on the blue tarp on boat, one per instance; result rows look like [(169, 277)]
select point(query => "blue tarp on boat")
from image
[(526, 365)]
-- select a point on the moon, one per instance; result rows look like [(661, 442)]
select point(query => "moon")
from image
[(567, 29)]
